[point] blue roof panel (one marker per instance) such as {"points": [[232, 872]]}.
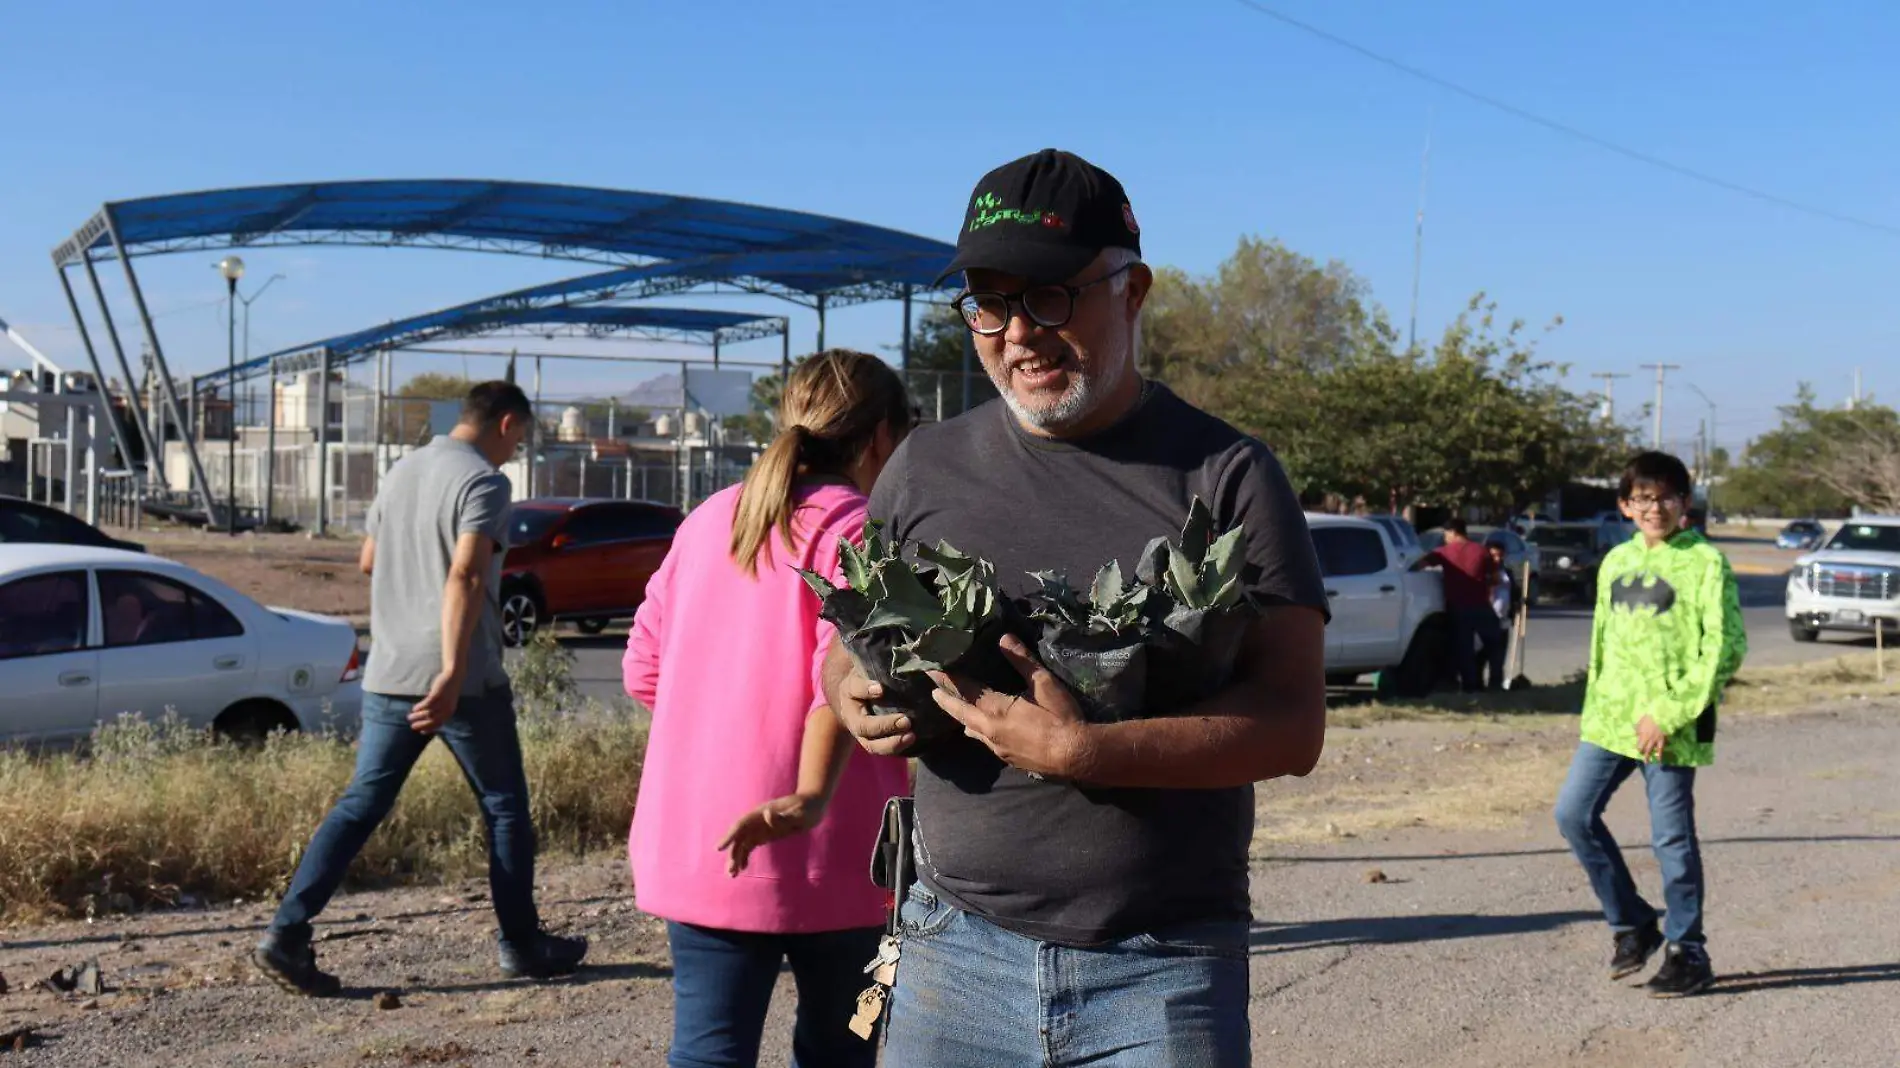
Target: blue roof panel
{"points": [[574, 222]]}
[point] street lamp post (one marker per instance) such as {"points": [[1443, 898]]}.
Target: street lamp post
{"points": [[232, 268], [270, 409]]}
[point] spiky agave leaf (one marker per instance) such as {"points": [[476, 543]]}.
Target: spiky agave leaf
{"points": [[1197, 531], [933, 650]]}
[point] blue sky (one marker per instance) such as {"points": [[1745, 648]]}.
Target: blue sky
{"points": [[1220, 121]]}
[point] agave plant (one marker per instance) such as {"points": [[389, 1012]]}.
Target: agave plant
{"points": [[1202, 572], [900, 620], [1112, 607]]}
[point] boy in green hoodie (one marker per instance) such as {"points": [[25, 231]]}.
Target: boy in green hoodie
{"points": [[1667, 637]]}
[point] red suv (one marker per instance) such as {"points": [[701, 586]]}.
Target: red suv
{"points": [[582, 560]]}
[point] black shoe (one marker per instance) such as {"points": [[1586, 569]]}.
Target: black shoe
{"points": [[1633, 950], [548, 955], [295, 969], [1685, 971]]}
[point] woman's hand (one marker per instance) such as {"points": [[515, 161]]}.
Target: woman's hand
{"points": [[778, 818]]}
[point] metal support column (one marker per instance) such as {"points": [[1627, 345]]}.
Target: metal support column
{"points": [[821, 322], [72, 457], [905, 349], [199, 481], [683, 471], [715, 348], [92, 466], [785, 355], [270, 449], [154, 469], [534, 432], [323, 444], [100, 381]]}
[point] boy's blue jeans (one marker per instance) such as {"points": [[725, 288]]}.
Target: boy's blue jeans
{"points": [[481, 735], [1595, 773], [973, 995]]}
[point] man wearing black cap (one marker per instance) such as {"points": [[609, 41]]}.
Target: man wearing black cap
{"points": [[1082, 893]]}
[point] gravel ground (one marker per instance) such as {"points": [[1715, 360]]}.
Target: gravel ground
{"points": [[1447, 941]]}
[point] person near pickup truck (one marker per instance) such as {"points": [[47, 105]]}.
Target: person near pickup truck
{"points": [[1667, 636], [1503, 605], [1470, 576]]}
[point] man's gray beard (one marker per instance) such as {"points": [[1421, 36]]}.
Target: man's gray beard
{"points": [[1084, 395]]}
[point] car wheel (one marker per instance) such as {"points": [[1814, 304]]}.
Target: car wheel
{"points": [[591, 626], [520, 616], [1341, 679], [1424, 664], [1802, 633], [247, 723]]}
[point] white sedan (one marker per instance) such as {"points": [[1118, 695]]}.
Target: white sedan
{"points": [[87, 634]]}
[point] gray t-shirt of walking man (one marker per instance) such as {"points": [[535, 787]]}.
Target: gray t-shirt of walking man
{"points": [[429, 499]]}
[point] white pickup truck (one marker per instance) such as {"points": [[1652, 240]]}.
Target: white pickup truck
{"points": [[1851, 584], [1387, 618]]}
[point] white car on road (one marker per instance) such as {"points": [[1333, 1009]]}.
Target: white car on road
{"points": [[87, 634], [1387, 617], [1850, 583]]}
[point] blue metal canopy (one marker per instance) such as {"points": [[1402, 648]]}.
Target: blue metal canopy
{"points": [[612, 226], [595, 320]]}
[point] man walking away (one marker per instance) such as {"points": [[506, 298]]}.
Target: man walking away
{"points": [[1469, 576], [437, 531]]}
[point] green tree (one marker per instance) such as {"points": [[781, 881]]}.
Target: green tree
{"points": [[1268, 312], [1819, 462], [434, 385]]}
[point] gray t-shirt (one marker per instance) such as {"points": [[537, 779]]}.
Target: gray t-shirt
{"points": [[1068, 864], [429, 499]]}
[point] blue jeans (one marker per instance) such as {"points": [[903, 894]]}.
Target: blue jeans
{"points": [[972, 995], [1595, 773], [722, 986], [482, 737]]}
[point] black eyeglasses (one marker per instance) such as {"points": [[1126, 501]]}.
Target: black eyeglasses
{"points": [[1048, 306]]}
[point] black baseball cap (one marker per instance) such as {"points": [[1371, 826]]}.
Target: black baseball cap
{"points": [[1044, 217]]}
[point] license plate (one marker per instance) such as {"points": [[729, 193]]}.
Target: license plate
{"points": [[1851, 615]]}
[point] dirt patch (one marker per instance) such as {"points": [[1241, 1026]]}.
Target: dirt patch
{"points": [[290, 570]]}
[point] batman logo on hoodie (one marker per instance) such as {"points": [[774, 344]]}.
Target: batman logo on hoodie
{"points": [[1636, 592]]}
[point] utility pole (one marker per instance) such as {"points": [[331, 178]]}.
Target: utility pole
{"points": [[1661, 370], [1418, 235], [1609, 393], [1854, 405]]}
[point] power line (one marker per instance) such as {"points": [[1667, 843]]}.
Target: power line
{"points": [[1568, 130]]}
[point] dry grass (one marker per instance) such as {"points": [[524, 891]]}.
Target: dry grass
{"points": [[155, 811]]}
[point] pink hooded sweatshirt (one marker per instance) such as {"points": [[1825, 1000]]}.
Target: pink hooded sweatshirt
{"points": [[729, 666]]}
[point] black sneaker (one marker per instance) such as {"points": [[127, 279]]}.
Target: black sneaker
{"points": [[1633, 950], [295, 969], [1685, 971], [548, 955]]}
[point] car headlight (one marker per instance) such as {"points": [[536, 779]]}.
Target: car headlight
{"points": [[1566, 562]]}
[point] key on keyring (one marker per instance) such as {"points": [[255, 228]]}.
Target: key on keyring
{"points": [[883, 968], [870, 1007]]}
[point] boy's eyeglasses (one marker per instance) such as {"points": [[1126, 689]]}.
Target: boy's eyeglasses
{"points": [[1652, 504]]}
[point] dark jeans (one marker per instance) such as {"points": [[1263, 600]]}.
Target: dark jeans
{"points": [[1595, 773], [1470, 626], [722, 986], [482, 736], [973, 995]]}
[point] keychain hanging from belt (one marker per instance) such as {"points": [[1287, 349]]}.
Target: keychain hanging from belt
{"points": [[891, 868]]}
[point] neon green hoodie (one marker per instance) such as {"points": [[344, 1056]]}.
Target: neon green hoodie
{"points": [[1668, 636]]}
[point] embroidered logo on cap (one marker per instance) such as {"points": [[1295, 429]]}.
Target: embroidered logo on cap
{"points": [[1128, 217], [988, 210]]}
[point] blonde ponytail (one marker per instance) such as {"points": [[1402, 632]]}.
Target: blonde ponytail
{"points": [[765, 504], [829, 412]]}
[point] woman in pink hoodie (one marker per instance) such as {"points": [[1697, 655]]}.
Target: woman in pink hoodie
{"points": [[757, 813]]}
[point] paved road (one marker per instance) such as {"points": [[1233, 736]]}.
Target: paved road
{"points": [[1559, 639], [1484, 949]]}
